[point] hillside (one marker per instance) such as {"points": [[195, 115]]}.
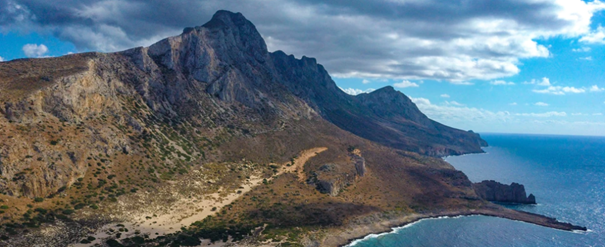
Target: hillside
{"points": [[207, 135]]}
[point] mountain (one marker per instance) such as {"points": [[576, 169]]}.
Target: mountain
{"points": [[155, 140]]}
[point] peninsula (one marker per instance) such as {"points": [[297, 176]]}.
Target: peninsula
{"points": [[209, 137]]}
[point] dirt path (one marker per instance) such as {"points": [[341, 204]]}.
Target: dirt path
{"points": [[298, 165], [189, 210]]}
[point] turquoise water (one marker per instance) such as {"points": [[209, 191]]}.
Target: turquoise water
{"points": [[566, 173]]}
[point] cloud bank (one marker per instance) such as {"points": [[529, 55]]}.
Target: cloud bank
{"points": [[405, 83], [355, 91], [456, 41]]}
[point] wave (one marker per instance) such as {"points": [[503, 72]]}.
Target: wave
{"points": [[458, 155], [397, 229]]}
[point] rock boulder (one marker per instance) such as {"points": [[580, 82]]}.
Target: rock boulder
{"points": [[493, 191]]}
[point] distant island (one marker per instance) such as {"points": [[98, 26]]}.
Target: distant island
{"points": [[209, 137]]}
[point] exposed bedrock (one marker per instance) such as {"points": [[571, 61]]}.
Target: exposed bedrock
{"points": [[493, 191]]}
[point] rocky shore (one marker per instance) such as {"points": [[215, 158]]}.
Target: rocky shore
{"points": [[374, 224]]}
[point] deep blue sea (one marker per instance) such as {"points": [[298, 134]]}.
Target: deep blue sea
{"points": [[565, 173]]}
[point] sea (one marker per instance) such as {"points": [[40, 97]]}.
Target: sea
{"points": [[565, 173]]}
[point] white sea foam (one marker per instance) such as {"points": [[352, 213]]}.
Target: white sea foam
{"points": [[582, 232], [449, 156], [397, 229]]}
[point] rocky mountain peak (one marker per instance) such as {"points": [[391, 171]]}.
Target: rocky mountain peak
{"points": [[385, 90], [386, 102], [232, 25], [227, 55], [226, 19]]}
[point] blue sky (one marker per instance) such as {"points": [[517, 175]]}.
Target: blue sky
{"points": [[570, 64], [510, 66]]}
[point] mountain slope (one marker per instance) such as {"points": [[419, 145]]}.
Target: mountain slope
{"points": [[209, 123]]}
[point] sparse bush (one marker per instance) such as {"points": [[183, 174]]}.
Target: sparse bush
{"points": [[67, 211]]}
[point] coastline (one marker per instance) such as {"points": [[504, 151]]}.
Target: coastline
{"points": [[351, 234]]}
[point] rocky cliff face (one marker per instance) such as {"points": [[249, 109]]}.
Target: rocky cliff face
{"points": [[493, 191]]}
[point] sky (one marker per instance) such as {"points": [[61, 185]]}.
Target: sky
{"points": [[507, 66]]}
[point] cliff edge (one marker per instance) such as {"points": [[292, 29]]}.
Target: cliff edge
{"points": [[493, 191]]}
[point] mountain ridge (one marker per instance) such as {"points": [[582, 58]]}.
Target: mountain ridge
{"points": [[312, 84], [148, 134]]}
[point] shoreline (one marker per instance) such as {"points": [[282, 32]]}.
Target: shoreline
{"points": [[361, 232]]}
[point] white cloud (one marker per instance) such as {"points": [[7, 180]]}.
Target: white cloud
{"points": [[541, 104], [589, 58], [558, 90], [596, 37], [355, 91], [548, 88], [1, 59], [454, 103], [501, 82], [573, 90], [365, 81], [405, 83], [545, 114], [514, 103], [34, 50], [452, 113], [581, 49], [596, 88], [597, 114], [542, 82], [445, 95], [465, 83], [474, 42], [578, 114]]}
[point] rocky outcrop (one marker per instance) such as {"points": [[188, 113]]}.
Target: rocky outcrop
{"points": [[331, 179], [358, 161], [360, 165], [493, 191]]}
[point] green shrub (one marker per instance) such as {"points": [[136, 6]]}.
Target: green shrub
{"points": [[41, 210], [68, 211], [113, 243]]}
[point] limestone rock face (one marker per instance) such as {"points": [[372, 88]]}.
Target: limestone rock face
{"points": [[493, 191]]}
